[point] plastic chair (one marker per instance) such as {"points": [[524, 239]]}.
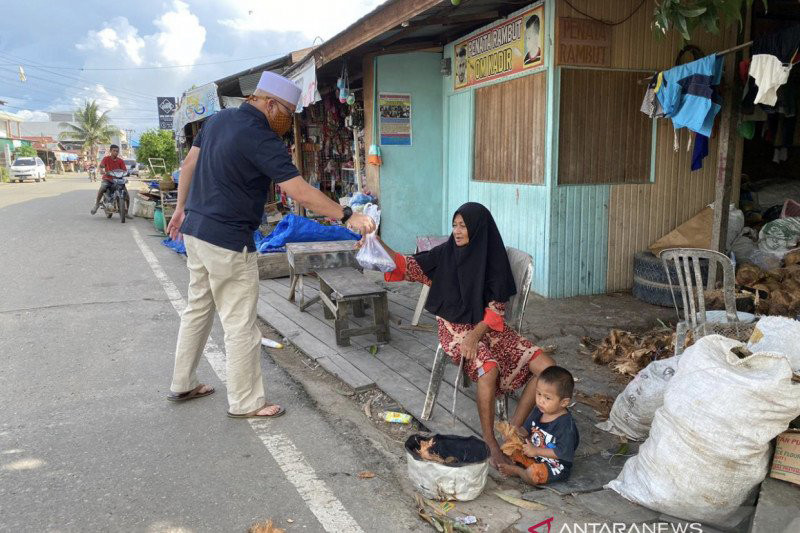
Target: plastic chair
{"points": [[522, 270], [686, 262]]}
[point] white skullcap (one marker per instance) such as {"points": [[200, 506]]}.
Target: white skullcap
{"points": [[280, 87]]}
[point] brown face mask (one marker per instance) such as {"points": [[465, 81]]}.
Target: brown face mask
{"points": [[280, 123]]}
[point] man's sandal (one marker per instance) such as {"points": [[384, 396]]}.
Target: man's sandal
{"points": [[190, 395], [254, 414]]}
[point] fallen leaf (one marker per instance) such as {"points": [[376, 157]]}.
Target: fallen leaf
{"points": [[519, 502], [265, 527], [366, 474]]}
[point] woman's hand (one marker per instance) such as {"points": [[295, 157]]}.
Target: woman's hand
{"points": [[469, 346]]}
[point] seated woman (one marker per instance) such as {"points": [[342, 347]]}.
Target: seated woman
{"points": [[471, 282]]}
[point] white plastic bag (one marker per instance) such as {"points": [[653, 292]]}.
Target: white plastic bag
{"points": [[634, 409], [373, 256], [709, 444]]}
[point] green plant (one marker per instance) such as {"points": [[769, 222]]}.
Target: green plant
{"points": [[25, 151], [685, 16], [91, 127], [4, 177], [158, 143]]}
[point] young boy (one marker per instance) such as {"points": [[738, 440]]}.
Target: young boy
{"points": [[550, 433]]}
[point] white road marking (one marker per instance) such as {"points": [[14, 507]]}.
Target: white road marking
{"points": [[330, 512]]}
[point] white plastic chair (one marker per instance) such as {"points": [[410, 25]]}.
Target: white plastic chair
{"points": [[522, 270], [686, 262]]}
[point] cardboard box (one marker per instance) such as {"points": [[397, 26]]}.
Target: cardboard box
{"points": [[786, 461]]}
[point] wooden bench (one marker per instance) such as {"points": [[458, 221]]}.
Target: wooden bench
{"points": [[306, 257], [344, 288]]}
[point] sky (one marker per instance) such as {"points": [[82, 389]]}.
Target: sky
{"points": [[59, 43]]}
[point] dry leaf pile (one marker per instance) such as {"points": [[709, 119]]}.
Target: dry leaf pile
{"points": [[781, 285], [627, 353], [428, 454]]}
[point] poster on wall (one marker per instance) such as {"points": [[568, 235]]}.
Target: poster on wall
{"points": [[394, 112], [508, 47]]}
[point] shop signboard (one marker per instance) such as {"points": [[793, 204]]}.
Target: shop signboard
{"points": [[394, 111], [166, 110], [509, 46], [197, 104], [583, 42], [306, 79]]}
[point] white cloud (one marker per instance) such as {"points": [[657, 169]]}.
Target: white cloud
{"points": [[181, 39], [117, 35], [105, 100], [312, 18], [32, 116]]}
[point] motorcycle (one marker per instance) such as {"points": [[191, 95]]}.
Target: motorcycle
{"points": [[115, 199]]}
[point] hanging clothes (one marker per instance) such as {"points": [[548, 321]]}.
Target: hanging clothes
{"points": [[782, 44], [769, 74], [688, 96], [700, 151]]}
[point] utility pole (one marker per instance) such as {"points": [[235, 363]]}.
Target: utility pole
{"points": [[129, 133]]}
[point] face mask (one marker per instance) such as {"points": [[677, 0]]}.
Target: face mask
{"points": [[280, 123]]}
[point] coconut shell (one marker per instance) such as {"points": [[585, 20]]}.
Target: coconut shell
{"points": [[748, 274], [793, 271], [792, 258]]}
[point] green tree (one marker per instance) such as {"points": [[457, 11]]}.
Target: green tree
{"points": [[158, 143], [25, 151], [90, 127], [685, 16]]}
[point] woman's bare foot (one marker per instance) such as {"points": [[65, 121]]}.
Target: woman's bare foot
{"points": [[497, 458]]}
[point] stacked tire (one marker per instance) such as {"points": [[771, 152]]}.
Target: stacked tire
{"points": [[650, 283]]}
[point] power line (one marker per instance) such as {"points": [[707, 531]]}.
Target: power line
{"points": [[83, 69]]}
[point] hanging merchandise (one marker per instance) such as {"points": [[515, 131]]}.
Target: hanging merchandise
{"points": [[374, 157]]}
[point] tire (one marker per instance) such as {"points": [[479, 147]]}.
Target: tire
{"points": [[121, 208], [37, 180], [650, 282]]}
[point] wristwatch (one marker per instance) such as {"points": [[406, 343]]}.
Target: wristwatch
{"points": [[347, 214]]}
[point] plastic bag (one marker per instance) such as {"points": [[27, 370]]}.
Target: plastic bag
{"points": [[373, 256], [298, 229], [709, 444]]}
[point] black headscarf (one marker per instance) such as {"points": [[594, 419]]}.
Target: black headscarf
{"points": [[465, 279]]}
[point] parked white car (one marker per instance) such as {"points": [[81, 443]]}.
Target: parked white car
{"points": [[132, 166], [28, 168]]}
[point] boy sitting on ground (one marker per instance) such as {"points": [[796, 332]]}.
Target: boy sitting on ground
{"points": [[550, 434]]}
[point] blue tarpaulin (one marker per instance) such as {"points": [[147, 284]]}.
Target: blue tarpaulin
{"points": [[294, 228]]}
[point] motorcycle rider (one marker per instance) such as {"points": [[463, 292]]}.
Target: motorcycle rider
{"points": [[109, 163]]}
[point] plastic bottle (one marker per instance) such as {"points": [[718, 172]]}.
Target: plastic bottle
{"points": [[394, 417]]}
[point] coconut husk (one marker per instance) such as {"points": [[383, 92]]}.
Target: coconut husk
{"points": [[627, 353], [749, 274], [792, 258], [429, 455], [793, 271], [512, 444]]}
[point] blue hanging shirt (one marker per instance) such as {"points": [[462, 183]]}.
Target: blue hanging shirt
{"points": [[687, 94], [239, 156]]}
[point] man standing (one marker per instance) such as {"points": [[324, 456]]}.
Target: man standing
{"points": [[109, 163], [222, 189]]}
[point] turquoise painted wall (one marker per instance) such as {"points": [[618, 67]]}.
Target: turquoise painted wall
{"points": [[412, 176], [565, 229]]}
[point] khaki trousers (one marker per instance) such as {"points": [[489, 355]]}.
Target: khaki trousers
{"points": [[227, 281]]}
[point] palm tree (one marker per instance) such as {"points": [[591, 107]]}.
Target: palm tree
{"points": [[91, 127]]}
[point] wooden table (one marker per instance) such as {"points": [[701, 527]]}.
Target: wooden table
{"points": [[423, 245], [306, 257], [343, 289]]}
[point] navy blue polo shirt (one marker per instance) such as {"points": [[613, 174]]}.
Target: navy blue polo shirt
{"points": [[239, 155]]}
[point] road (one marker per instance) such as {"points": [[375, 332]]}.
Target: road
{"points": [[88, 324]]}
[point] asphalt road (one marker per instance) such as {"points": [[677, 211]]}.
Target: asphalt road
{"points": [[88, 441]]}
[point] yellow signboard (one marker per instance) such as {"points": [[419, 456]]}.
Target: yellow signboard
{"points": [[510, 46]]}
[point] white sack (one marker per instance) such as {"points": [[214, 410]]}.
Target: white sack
{"points": [[635, 407], [709, 444], [777, 334], [444, 482]]}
